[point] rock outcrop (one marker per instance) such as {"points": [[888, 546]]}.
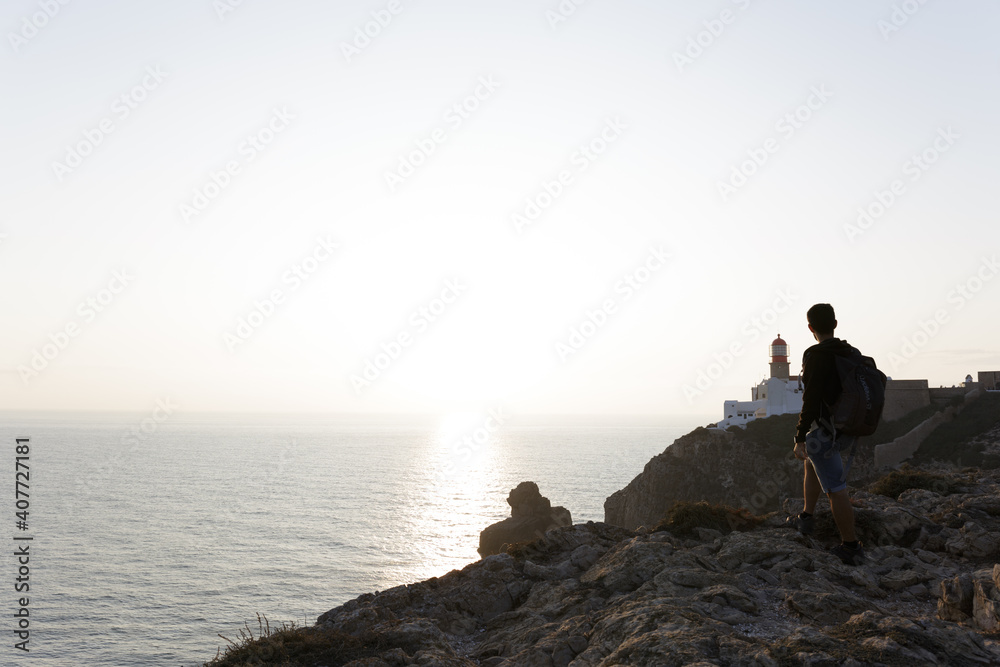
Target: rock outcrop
{"points": [[600, 595], [754, 469], [531, 516], [706, 464], [891, 454]]}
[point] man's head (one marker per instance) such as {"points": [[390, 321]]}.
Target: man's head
{"points": [[821, 319]]}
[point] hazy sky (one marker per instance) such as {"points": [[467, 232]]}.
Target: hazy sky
{"points": [[248, 205]]}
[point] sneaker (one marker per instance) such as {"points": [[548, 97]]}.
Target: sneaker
{"points": [[805, 525], [848, 555]]}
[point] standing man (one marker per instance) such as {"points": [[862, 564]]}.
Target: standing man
{"points": [[814, 437]]}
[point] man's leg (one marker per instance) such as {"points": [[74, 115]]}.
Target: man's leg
{"points": [[843, 514], [810, 489]]}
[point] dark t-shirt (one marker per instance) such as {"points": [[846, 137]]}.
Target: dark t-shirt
{"points": [[821, 383]]}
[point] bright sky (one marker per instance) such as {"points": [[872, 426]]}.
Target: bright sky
{"points": [[255, 206]]}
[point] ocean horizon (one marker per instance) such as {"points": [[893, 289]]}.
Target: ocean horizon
{"points": [[152, 537]]}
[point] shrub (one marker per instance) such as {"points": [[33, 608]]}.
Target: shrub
{"points": [[684, 517], [906, 478]]}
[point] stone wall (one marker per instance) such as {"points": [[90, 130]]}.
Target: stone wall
{"points": [[903, 397], [942, 395], [989, 380]]}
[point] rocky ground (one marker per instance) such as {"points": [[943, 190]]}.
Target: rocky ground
{"points": [[989, 441], [596, 594]]}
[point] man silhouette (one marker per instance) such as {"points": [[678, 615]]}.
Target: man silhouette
{"points": [[814, 438]]}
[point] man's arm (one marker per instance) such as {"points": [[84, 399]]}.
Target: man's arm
{"points": [[816, 369]]}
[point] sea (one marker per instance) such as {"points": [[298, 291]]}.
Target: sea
{"points": [[153, 534]]}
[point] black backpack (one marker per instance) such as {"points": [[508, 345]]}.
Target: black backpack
{"points": [[858, 409]]}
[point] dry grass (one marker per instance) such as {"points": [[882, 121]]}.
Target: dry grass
{"points": [[291, 646]]}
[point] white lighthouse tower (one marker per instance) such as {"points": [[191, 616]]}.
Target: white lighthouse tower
{"points": [[779, 394]]}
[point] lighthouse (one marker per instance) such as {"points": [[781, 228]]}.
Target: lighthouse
{"points": [[779, 359], [780, 394]]}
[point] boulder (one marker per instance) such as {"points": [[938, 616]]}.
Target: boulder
{"points": [[986, 605], [972, 597], [531, 516], [955, 597]]}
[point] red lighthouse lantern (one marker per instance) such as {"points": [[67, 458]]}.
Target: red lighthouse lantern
{"points": [[779, 358]]}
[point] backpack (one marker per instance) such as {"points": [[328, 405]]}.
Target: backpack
{"points": [[858, 409]]}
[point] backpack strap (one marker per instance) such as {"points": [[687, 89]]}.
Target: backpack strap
{"points": [[854, 445], [850, 458]]}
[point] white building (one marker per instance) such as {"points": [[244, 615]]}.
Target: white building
{"points": [[779, 394]]}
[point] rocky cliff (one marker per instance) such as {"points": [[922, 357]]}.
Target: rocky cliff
{"points": [[754, 469], [705, 464]]}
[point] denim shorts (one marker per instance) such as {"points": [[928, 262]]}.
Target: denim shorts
{"points": [[824, 454]]}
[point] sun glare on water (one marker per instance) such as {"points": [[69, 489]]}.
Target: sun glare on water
{"points": [[461, 475], [465, 452]]}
